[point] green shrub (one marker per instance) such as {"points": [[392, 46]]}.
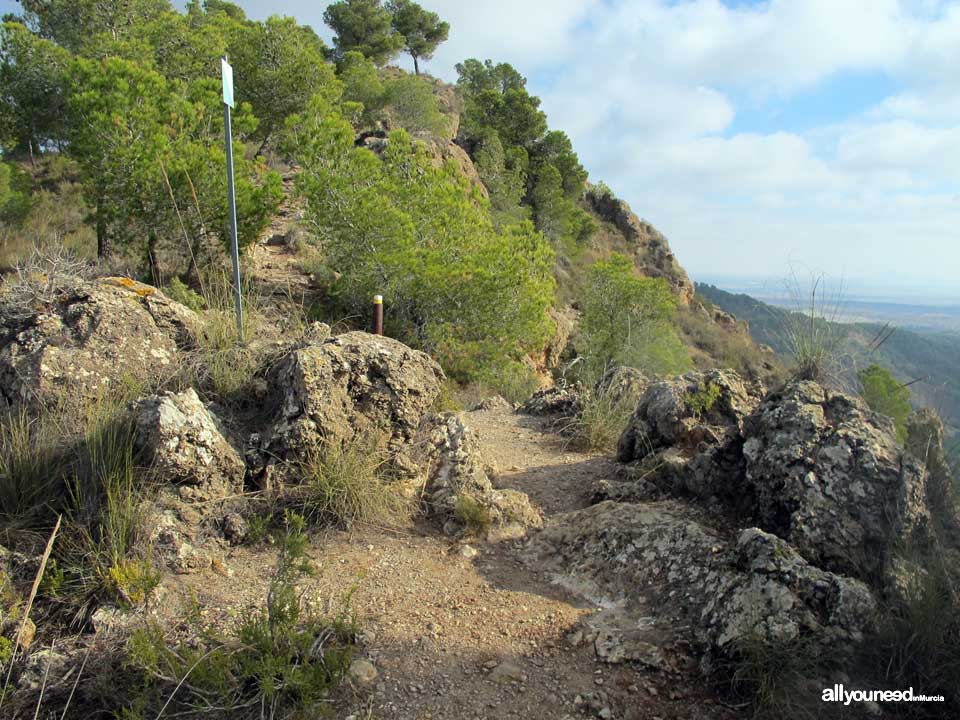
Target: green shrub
{"points": [[628, 320], [346, 483], [472, 514], [702, 400], [417, 234], [886, 395], [413, 106], [282, 657], [182, 294]]}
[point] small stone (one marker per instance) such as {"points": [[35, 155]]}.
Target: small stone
{"points": [[363, 673], [507, 672], [468, 551]]}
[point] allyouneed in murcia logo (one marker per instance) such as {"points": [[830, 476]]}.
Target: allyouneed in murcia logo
{"points": [[838, 694]]}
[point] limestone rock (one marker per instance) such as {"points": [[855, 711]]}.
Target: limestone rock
{"points": [[351, 384], [689, 429], [554, 401], [88, 336], [447, 454], [363, 672], [184, 443], [829, 477], [758, 587], [622, 384]]}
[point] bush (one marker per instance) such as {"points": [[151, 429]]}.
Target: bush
{"points": [[628, 320], [472, 514], [282, 657], [601, 420], [702, 400], [420, 236], [346, 483], [886, 395], [413, 106]]}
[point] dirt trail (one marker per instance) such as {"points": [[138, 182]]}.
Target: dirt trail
{"points": [[458, 636]]}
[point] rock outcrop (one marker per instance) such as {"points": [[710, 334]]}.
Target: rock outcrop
{"points": [[75, 343], [184, 443], [652, 253], [660, 555], [690, 430], [829, 476], [456, 483], [347, 385], [553, 402], [622, 384]]}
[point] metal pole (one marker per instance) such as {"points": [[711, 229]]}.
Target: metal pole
{"points": [[378, 314], [232, 201]]}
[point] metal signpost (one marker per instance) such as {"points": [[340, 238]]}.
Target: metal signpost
{"points": [[227, 72]]}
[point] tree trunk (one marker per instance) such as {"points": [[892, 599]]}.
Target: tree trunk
{"points": [[416, 66], [153, 260], [103, 240]]}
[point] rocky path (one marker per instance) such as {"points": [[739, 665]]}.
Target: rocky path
{"points": [[459, 631]]}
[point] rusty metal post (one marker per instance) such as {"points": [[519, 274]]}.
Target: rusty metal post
{"points": [[378, 314]]}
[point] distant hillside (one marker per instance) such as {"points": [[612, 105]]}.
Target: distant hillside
{"points": [[908, 354]]}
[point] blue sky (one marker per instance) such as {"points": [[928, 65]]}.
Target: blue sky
{"points": [[755, 135]]}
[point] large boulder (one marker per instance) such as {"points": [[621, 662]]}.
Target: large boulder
{"points": [[660, 557], [348, 385], [829, 476], [184, 443], [73, 343], [622, 384], [689, 430], [456, 481]]}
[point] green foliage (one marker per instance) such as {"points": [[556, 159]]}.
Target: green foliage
{"points": [[886, 395], [151, 159], [363, 91], [503, 176], [422, 31], [702, 400], [496, 98], [79, 24], [346, 483], [506, 132], [178, 291], [472, 514], [413, 106], [282, 67], [32, 89], [365, 26], [29, 467], [282, 656], [418, 235], [628, 320]]}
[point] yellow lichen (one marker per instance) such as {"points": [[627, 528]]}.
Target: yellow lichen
{"points": [[141, 289]]}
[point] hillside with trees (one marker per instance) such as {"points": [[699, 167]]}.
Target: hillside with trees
{"points": [[562, 481]]}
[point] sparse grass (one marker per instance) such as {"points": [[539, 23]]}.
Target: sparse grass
{"points": [[918, 644], [780, 680], [812, 333], [347, 483], [601, 421], [281, 661], [472, 514], [30, 465]]}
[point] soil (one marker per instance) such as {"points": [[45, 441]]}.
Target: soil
{"points": [[462, 629]]}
